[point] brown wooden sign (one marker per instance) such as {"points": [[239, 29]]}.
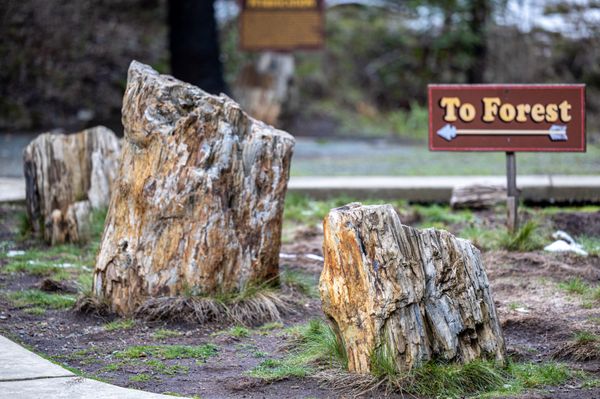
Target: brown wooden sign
{"points": [[281, 25], [507, 118]]}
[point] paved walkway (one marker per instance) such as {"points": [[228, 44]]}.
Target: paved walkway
{"points": [[413, 188], [25, 375]]}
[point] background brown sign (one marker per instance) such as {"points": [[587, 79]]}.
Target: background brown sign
{"points": [[281, 25], [507, 118]]}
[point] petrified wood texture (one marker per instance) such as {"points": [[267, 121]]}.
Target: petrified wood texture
{"points": [[477, 196], [414, 295], [61, 170], [199, 196]]}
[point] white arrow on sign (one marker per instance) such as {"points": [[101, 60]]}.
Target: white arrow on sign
{"points": [[556, 132]]}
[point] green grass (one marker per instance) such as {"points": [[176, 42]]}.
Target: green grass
{"points": [[36, 268], [275, 369], [164, 333], [315, 343], [161, 368], [315, 347], [112, 367], [586, 337], [36, 311], [237, 332], [575, 285], [305, 210], [479, 378], [440, 216], [119, 325], [302, 282], [42, 300], [536, 375], [199, 352], [141, 377], [590, 244], [590, 295], [527, 238], [273, 325], [409, 124]]}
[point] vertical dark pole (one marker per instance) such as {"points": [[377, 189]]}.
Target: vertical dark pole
{"points": [[512, 194], [194, 44]]}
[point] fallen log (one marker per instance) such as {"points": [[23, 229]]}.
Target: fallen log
{"points": [[410, 295], [198, 200], [477, 196], [61, 173]]}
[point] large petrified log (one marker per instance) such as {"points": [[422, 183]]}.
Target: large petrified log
{"points": [[198, 199], [66, 176], [410, 295]]}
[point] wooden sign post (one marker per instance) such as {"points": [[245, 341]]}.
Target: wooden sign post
{"points": [[507, 118]]}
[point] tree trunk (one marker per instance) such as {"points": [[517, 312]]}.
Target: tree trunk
{"points": [[63, 170], [479, 12], [194, 44], [411, 295], [199, 196], [263, 88], [477, 196]]}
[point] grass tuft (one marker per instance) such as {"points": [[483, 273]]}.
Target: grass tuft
{"points": [[164, 333], [118, 325], [253, 306], [574, 285], [584, 346], [525, 239], [41, 300], [302, 282], [315, 346], [200, 352], [141, 377]]}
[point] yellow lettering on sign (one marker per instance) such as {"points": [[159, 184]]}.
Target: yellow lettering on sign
{"points": [[450, 104], [490, 108], [506, 112]]}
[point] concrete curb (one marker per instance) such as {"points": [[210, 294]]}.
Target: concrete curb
{"points": [[536, 188], [25, 375], [439, 189]]}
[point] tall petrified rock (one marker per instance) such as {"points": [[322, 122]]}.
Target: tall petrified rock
{"points": [[199, 196], [66, 176], [411, 295]]}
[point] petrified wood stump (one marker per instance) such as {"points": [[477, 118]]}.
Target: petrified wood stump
{"points": [[199, 196], [413, 294], [66, 176]]}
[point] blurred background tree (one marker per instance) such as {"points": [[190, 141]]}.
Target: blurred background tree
{"points": [[194, 44], [64, 64]]}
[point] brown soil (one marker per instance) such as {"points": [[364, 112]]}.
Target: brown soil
{"points": [[538, 318], [578, 223]]}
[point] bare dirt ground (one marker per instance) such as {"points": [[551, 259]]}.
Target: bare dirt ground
{"points": [[539, 312]]}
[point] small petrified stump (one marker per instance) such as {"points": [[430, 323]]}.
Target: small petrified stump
{"points": [[411, 294], [477, 196], [199, 196], [66, 176]]}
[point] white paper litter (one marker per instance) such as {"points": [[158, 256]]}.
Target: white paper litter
{"points": [[315, 257], [12, 253], [565, 243]]}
